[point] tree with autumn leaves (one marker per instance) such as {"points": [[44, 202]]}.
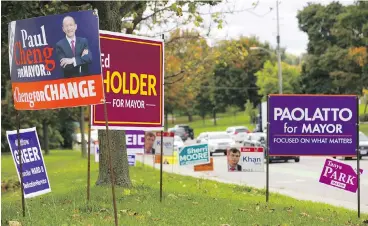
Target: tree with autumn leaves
{"points": [[337, 50], [188, 61], [203, 80]]}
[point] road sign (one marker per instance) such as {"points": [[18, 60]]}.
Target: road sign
{"points": [[194, 155]]}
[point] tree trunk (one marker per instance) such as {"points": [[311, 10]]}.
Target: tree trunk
{"points": [[366, 104], [190, 117], [172, 117], [119, 159], [214, 117], [45, 137], [166, 120], [82, 130], [110, 20], [203, 119]]}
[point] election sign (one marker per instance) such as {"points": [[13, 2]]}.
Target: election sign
{"points": [[134, 141], [35, 179], [133, 79], [96, 147], [247, 159], [204, 167], [131, 159], [194, 155], [168, 143], [339, 175], [55, 61], [312, 125]]}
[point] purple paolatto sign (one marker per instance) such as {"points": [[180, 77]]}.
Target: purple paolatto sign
{"points": [[135, 141], [340, 175], [315, 125]]}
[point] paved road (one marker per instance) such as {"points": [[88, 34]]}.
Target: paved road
{"points": [[299, 180]]}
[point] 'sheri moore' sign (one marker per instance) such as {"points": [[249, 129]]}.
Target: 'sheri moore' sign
{"points": [[194, 155]]}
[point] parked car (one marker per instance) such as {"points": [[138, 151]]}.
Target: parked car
{"points": [[178, 143], [237, 133], [363, 146], [180, 132], [188, 130], [218, 142], [260, 140], [77, 137]]}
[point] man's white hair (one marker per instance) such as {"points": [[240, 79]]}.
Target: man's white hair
{"points": [[67, 18]]}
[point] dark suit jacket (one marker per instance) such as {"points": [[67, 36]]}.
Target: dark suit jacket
{"points": [[153, 151], [64, 50], [238, 167]]}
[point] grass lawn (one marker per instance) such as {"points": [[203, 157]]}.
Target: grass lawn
{"points": [[186, 200], [361, 109], [223, 121], [226, 119], [364, 128]]}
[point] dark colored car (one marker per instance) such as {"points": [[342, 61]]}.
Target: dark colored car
{"points": [[179, 131], [363, 146], [187, 129]]}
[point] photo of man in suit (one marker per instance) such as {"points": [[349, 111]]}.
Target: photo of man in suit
{"points": [[233, 160], [72, 52], [149, 139]]}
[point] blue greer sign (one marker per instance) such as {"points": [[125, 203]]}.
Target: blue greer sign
{"points": [[35, 179]]}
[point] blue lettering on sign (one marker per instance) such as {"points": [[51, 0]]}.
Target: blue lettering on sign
{"points": [[251, 159], [131, 160], [167, 144]]}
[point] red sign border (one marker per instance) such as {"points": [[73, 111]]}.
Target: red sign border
{"points": [[251, 149]]}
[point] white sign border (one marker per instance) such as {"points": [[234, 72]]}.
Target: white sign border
{"points": [[32, 129]]}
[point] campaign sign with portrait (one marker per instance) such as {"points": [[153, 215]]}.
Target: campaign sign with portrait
{"points": [[168, 143], [245, 159], [55, 61], [132, 69], [35, 178]]}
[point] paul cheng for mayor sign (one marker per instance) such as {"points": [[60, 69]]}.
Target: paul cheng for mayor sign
{"points": [[324, 125]]}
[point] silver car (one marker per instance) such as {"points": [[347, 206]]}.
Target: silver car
{"points": [[237, 133], [218, 142], [363, 144]]}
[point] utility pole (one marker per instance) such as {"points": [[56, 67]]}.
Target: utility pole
{"points": [[278, 48]]}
